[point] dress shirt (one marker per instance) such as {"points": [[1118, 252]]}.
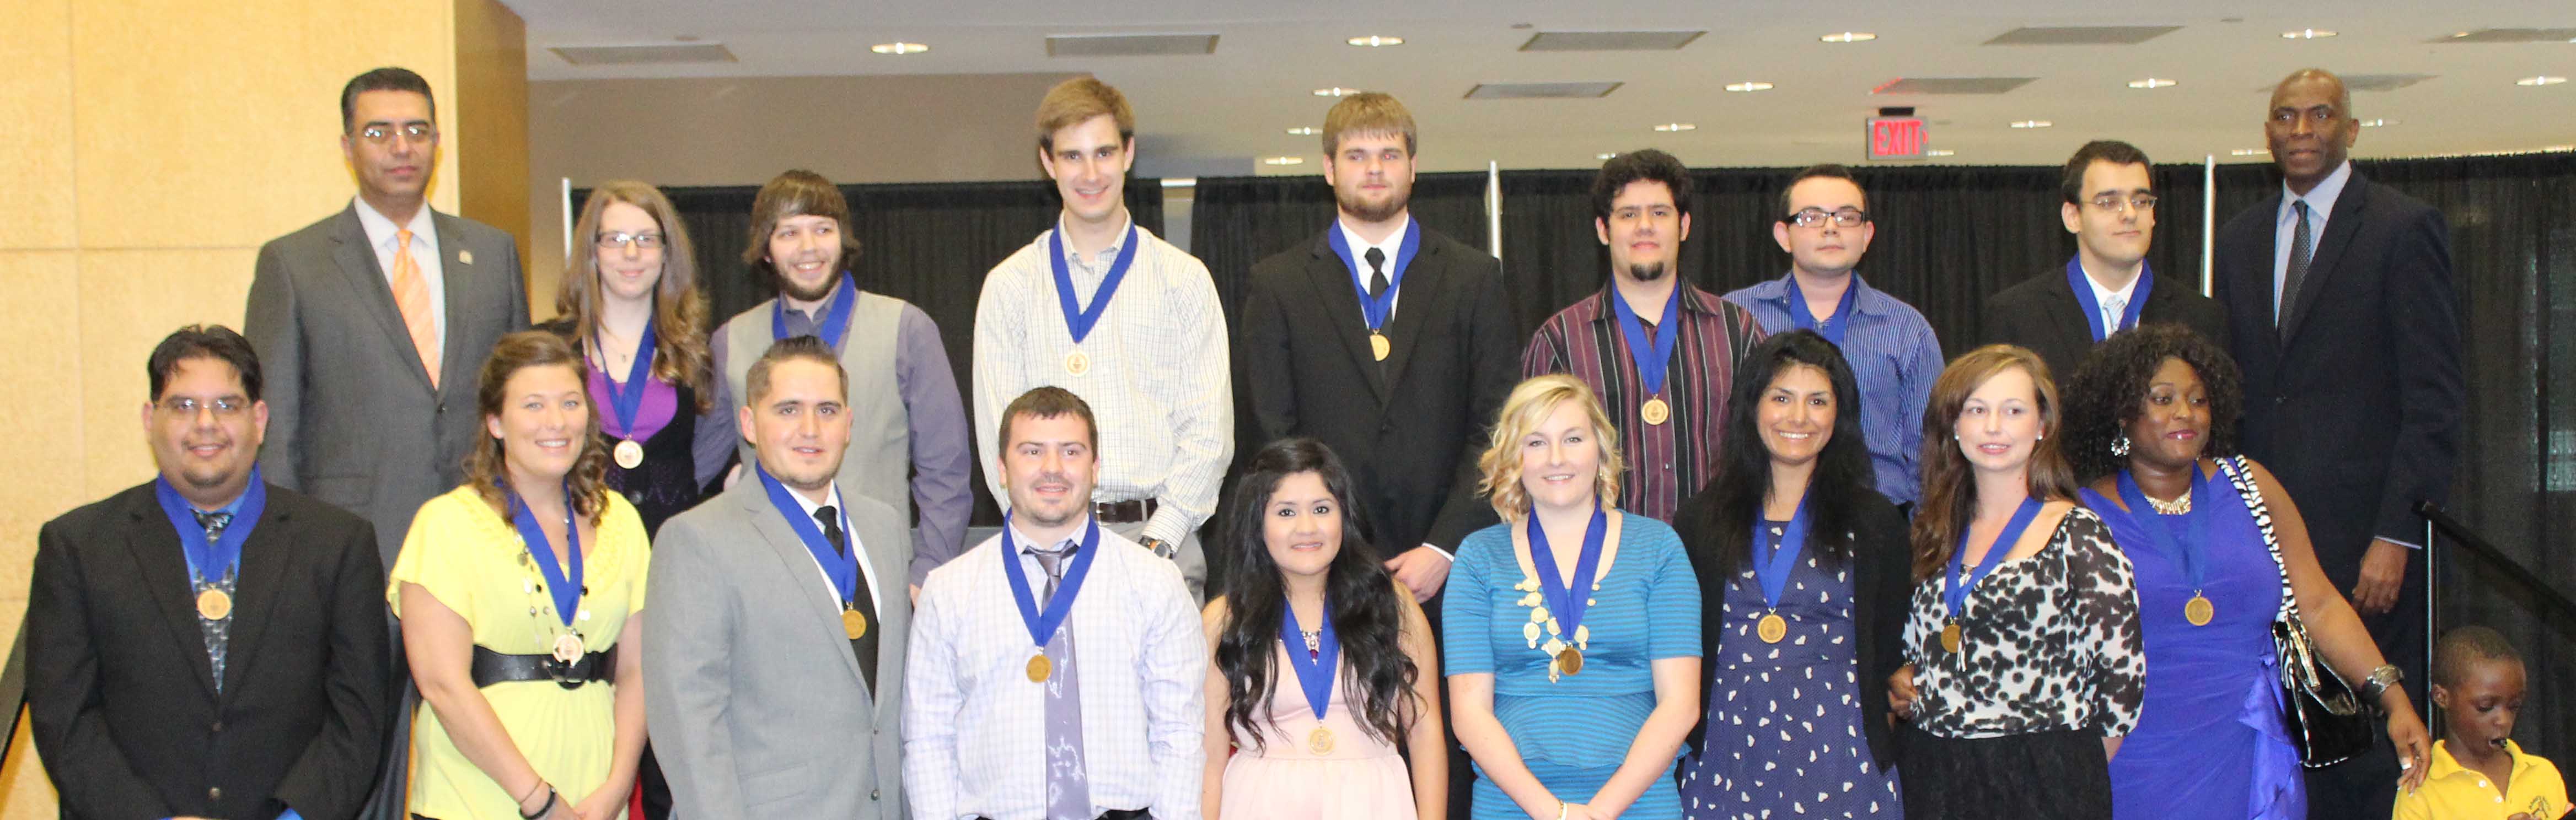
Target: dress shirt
{"points": [[1894, 358], [384, 236], [867, 566], [972, 743], [1359, 259], [1666, 462], [1160, 383], [2102, 296], [2285, 224]]}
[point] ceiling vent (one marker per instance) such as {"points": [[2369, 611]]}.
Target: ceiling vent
{"points": [[1130, 45], [2511, 35], [1540, 91], [2378, 82], [2081, 35], [1610, 40], [645, 54], [1952, 85]]}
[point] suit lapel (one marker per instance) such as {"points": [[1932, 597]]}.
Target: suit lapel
{"points": [[1406, 327], [357, 260], [2341, 227], [165, 573], [456, 276], [1335, 292], [2067, 315], [790, 550], [2251, 278], [264, 559]]}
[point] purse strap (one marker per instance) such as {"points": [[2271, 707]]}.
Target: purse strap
{"points": [[2240, 473]]}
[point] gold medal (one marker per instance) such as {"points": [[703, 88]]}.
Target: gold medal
{"points": [[214, 605], [854, 623], [1950, 638], [1077, 363], [1570, 660], [1320, 741], [1655, 411], [1040, 667], [2199, 610], [1379, 346], [1772, 628], [568, 648], [629, 454]]}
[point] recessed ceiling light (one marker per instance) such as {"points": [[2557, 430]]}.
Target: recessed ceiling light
{"points": [[1606, 155], [2560, 148], [2151, 82], [1676, 126], [1938, 152], [1283, 161], [2032, 124], [2377, 123], [1849, 37], [2248, 152], [898, 48], [2541, 80], [2305, 34], [1305, 131], [1336, 91], [1374, 41], [1752, 86]]}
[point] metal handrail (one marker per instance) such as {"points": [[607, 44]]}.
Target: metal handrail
{"points": [[2460, 534]]}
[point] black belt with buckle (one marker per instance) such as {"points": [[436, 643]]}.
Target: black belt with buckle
{"points": [[1123, 512], [493, 667]]}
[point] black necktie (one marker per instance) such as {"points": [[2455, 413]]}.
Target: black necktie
{"points": [[860, 599], [2299, 258], [1377, 272]]}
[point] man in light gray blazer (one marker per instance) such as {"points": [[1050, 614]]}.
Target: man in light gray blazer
{"points": [[774, 639], [373, 324]]}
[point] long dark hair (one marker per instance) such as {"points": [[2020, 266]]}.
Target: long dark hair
{"points": [[1367, 617], [1743, 481]]}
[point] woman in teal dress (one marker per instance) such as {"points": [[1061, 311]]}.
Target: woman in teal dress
{"points": [[1571, 630]]}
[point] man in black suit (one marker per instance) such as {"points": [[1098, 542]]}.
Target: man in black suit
{"points": [[207, 644], [1387, 341], [2107, 287], [2339, 300]]}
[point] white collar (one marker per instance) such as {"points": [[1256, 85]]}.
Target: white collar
{"points": [[381, 229], [2321, 199], [1360, 247]]}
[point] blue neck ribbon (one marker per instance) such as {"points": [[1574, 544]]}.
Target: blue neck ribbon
{"points": [[1774, 573], [563, 582], [1567, 600], [835, 323], [1954, 595], [2083, 288], [1374, 309], [1079, 319], [1650, 366], [624, 400], [1042, 624], [1314, 675], [212, 561], [842, 567]]}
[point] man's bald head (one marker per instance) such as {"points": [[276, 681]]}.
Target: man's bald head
{"points": [[2310, 127]]}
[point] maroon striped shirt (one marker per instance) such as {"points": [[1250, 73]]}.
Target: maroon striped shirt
{"points": [[1666, 462]]}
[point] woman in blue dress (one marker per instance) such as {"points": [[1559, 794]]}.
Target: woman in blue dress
{"points": [[2220, 552], [1571, 630], [1811, 565]]}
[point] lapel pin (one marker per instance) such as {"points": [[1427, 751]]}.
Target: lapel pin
{"points": [[465, 257]]}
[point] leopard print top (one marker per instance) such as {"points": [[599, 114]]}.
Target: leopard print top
{"points": [[2049, 642]]}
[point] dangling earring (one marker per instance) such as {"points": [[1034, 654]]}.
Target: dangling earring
{"points": [[2120, 446]]}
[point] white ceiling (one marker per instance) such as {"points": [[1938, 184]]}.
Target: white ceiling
{"points": [[1229, 108]]}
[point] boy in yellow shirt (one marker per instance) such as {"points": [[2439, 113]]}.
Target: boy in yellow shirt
{"points": [[2478, 773]]}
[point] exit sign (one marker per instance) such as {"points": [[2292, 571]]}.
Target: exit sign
{"points": [[1895, 138]]}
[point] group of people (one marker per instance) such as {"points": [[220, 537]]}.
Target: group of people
{"points": [[1675, 555]]}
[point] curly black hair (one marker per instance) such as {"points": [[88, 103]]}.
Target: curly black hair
{"points": [[2103, 396]]}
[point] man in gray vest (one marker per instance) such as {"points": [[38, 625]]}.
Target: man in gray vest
{"points": [[800, 234]]}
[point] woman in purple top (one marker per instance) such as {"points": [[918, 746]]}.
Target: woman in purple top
{"points": [[630, 300], [2220, 552]]}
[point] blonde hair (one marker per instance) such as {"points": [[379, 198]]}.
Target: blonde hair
{"points": [[1079, 99], [679, 310], [1949, 481], [1368, 112], [1529, 405]]}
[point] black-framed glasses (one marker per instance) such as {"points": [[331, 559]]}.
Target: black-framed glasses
{"points": [[416, 132], [1815, 217], [188, 406], [2142, 203], [613, 240]]}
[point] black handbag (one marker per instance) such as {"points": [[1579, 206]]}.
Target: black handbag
{"points": [[2326, 718]]}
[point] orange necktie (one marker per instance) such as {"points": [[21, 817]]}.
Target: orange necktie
{"points": [[411, 296]]}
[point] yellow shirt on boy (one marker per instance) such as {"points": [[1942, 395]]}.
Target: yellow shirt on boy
{"points": [[2451, 792]]}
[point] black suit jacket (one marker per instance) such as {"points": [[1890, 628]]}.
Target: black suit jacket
{"points": [[1882, 567], [1409, 431], [2042, 313], [2359, 413], [121, 693]]}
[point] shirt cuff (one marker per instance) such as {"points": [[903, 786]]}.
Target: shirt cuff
{"points": [[1443, 552], [2407, 544]]}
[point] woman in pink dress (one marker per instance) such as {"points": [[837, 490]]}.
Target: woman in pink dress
{"points": [[1320, 663]]}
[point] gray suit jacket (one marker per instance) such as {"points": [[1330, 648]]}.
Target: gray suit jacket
{"points": [[755, 700], [353, 421]]}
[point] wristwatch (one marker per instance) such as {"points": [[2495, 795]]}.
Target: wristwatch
{"points": [[2378, 681], [1161, 548]]}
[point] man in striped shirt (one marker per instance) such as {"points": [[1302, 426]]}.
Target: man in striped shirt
{"points": [[1661, 354], [1825, 227]]}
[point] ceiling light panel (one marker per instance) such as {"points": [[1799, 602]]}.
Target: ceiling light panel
{"points": [[1541, 91], [2081, 35], [1610, 40], [1952, 85], [1129, 45], [2512, 35], [644, 54]]}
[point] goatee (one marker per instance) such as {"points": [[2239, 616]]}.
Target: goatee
{"points": [[1647, 272], [787, 287], [1366, 212]]}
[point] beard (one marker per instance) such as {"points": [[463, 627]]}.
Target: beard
{"points": [[787, 287], [1646, 272], [1366, 212]]}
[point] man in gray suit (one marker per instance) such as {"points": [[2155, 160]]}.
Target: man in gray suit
{"points": [[774, 642], [373, 324]]}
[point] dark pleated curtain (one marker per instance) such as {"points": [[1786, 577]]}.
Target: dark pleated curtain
{"points": [[929, 244]]}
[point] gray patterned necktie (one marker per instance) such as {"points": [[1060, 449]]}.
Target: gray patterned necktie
{"points": [[2299, 258], [217, 633], [1068, 786]]}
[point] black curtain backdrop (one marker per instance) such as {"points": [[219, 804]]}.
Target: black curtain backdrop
{"points": [[929, 244]]}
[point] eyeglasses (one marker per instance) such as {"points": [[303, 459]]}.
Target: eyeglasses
{"points": [[618, 239], [1815, 217], [2112, 202], [416, 132], [187, 406]]}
